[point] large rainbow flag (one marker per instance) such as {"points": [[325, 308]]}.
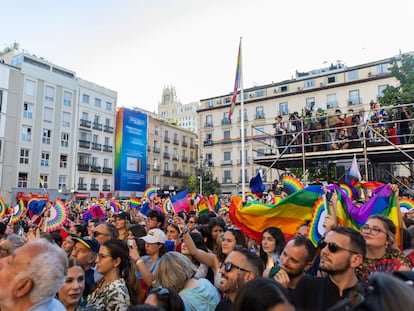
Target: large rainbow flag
{"points": [[287, 215]]}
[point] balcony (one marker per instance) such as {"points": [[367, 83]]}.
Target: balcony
{"points": [[156, 168], [226, 162], [210, 124], [208, 142], [108, 129], [97, 126], [166, 139], [83, 167], [94, 187], [107, 148], [106, 170], [95, 169], [175, 141], [166, 155], [84, 144], [156, 150], [82, 187], [225, 121], [227, 180], [85, 123], [175, 157], [184, 158], [96, 146], [184, 143], [166, 173], [192, 145], [259, 116], [192, 160], [176, 174], [244, 119], [106, 188]]}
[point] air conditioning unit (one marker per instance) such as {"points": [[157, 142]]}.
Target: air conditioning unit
{"points": [[275, 91]]}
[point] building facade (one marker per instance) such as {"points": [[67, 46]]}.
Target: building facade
{"points": [[328, 89], [55, 144]]}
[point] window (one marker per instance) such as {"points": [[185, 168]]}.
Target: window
{"points": [[227, 155], [49, 93], [258, 130], [43, 181], [95, 138], [209, 121], [382, 68], [156, 130], [97, 103], [226, 134], [310, 103], [166, 166], [44, 161], [46, 136], [66, 119], [260, 93], [283, 109], [62, 182], [30, 88], [227, 176], [26, 133], [64, 139], [155, 180], [260, 152], [381, 89], [244, 115], [353, 75], [67, 98], [27, 110], [331, 101], [210, 103], [106, 163], [331, 79], [108, 106], [106, 141], [22, 181], [24, 156], [85, 99], [47, 114], [107, 122], [259, 112], [354, 98], [85, 116], [310, 83], [63, 161]]}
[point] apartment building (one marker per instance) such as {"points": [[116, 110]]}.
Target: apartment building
{"points": [[55, 144], [335, 87]]}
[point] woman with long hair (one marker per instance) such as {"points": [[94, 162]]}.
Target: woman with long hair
{"points": [[165, 298], [119, 287], [122, 223], [382, 254], [271, 246]]}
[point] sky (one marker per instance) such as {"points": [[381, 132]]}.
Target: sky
{"points": [[138, 47]]}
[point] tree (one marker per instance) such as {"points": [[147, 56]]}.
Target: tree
{"points": [[402, 68], [210, 184]]}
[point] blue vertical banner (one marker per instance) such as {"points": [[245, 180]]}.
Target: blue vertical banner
{"points": [[130, 150]]}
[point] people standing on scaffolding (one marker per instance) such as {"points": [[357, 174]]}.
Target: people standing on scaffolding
{"points": [[403, 117], [296, 127], [335, 122], [281, 129], [379, 120], [342, 140]]}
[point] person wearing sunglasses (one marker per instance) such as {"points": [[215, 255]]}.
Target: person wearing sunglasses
{"points": [[165, 298], [239, 267], [341, 252], [382, 254], [104, 231]]}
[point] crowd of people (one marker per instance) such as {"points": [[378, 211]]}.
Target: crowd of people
{"points": [[186, 261], [344, 130]]}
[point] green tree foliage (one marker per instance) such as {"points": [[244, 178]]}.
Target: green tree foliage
{"points": [[402, 69], [210, 184]]}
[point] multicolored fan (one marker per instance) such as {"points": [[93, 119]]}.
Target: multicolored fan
{"points": [[58, 216], [17, 211], [150, 193], [291, 184], [406, 205]]}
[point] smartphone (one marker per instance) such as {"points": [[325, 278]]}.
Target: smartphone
{"points": [[130, 243]]}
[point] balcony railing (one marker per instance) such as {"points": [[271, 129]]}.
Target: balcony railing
{"points": [[106, 188], [167, 155], [84, 144], [95, 169], [156, 168], [94, 187], [209, 125], [107, 148], [208, 142], [184, 143], [192, 145], [176, 174], [167, 173], [175, 157], [226, 162], [175, 141], [227, 180], [192, 160], [157, 150], [82, 187], [166, 140], [184, 159], [244, 119], [83, 167], [97, 126], [108, 129], [106, 170], [258, 116], [96, 146], [85, 123], [225, 121]]}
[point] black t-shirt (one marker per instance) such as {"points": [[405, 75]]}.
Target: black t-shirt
{"points": [[317, 293], [224, 305]]}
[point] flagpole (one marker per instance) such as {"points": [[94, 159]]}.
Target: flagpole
{"points": [[243, 175]]}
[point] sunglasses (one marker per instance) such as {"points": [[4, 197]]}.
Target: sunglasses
{"points": [[160, 290], [96, 234], [229, 265], [333, 248]]}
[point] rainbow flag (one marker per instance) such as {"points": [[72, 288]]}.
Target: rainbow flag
{"points": [[291, 184], [203, 206], [214, 202], [180, 201], [135, 203], [2, 207], [287, 215], [236, 83], [115, 206]]}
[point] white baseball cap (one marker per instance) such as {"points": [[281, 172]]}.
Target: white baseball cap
{"points": [[155, 236]]}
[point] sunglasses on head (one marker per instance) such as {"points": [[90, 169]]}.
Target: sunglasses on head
{"points": [[333, 247], [160, 290], [229, 265]]}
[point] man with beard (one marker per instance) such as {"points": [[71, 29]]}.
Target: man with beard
{"points": [[342, 250], [239, 267], [296, 258]]}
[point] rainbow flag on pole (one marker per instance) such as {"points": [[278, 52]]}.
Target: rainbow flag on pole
{"points": [[236, 82]]}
